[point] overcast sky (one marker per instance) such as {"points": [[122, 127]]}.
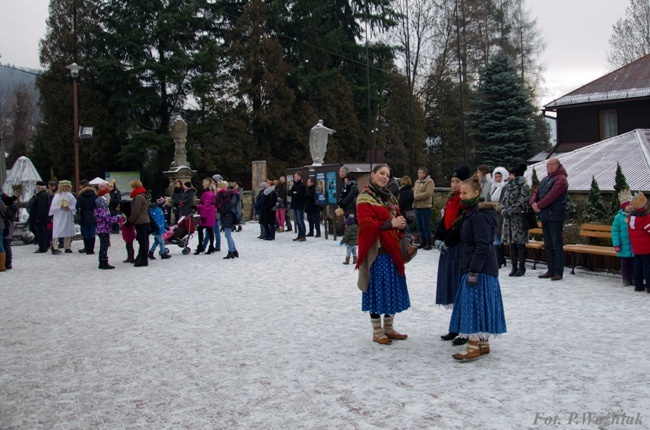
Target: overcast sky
{"points": [[576, 33]]}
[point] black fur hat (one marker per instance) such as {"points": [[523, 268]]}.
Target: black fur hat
{"points": [[461, 172], [519, 170]]}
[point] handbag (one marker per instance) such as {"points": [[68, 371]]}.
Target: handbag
{"points": [[409, 246], [530, 218], [410, 216]]}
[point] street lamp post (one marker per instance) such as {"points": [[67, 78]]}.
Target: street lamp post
{"points": [[74, 72]]}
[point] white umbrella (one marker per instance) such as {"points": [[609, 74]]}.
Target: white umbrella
{"points": [[98, 181]]}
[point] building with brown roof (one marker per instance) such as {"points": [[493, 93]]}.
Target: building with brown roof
{"points": [[613, 104]]}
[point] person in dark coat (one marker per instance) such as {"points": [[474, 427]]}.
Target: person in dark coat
{"points": [[405, 200], [40, 216], [514, 205], [297, 193], [267, 215], [85, 207], [349, 193], [226, 201], [478, 308], [187, 200], [550, 205], [10, 211], [447, 241], [312, 209], [115, 199], [258, 209], [177, 192]]}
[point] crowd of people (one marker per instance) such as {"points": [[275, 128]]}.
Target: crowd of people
{"points": [[482, 214], [101, 210]]}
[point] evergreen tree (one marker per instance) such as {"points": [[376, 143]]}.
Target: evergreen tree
{"points": [[534, 181], [503, 114], [594, 210], [620, 185]]}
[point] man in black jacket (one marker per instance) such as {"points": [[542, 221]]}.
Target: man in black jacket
{"points": [[297, 193], [348, 196], [39, 216]]}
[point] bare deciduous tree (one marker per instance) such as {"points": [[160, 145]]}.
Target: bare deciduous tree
{"points": [[630, 38]]}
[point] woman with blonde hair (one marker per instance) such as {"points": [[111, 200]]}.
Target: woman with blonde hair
{"points": [[62, 210], [207, 213]]}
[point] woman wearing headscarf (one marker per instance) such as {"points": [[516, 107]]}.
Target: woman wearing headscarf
{"points": [[447, 241], [381, 265]]}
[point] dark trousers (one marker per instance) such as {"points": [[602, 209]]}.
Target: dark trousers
{"points": [[42, 236], [8, 253], [299, 221], [142, 236], [104, 243], [313, 219], [627, 268], [422, 220], [641, 270], [553, 245]]}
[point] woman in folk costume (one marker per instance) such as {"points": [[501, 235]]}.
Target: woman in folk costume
{"points": [[62, 210], [447, 241], [380, 263], [478, 308]]}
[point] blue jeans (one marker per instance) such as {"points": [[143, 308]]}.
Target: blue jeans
{"points": [[158, 241], [350, 250], [88, 231], [553, 245], [422, 219], [231, 243], [2, 236], [299, 221], [497, 239]]}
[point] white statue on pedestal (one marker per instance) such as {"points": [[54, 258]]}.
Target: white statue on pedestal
{"points": [[318, 142]]}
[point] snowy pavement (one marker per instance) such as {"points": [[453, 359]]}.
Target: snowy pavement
{"points": [[276, 340]]}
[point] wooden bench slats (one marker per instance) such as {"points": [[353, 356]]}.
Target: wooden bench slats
{"points": [[592, 231], [597, 227]]}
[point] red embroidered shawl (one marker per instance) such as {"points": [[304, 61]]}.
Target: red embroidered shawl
{"points": [[372, 213]]}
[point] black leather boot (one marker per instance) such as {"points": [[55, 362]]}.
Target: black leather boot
{"points": [[513, 260], [199, 249], [521, 249], [229, 256]]}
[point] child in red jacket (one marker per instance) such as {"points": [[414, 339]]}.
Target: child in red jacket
{"points": [[639, 229]]}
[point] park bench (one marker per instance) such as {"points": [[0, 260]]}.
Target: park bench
{"points": [[535, 245], [591, 231]]}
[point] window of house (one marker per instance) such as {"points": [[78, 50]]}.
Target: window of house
{"points": [[608, 124]]}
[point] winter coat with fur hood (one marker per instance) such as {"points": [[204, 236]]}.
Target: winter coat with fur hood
{"points": [[478, 225], [514, 204]]}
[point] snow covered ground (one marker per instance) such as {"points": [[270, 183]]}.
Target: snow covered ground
{"points": [[276, 340]]}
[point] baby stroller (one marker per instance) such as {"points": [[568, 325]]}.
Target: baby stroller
{"points": [[180, 234]]}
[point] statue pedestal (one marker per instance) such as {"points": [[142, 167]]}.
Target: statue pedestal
{"points": [[180, 168]]}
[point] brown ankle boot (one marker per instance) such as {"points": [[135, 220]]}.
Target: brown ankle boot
{"points": [[355, 259], [347, 260], [377, 332], [484, 346], [390, 332], [471, 352]]}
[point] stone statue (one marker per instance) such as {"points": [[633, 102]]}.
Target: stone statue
{"points": [[318, 142], [179, 133]]}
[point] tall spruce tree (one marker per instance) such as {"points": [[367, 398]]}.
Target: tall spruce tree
{"points": [[502, 115], [594, 210]]}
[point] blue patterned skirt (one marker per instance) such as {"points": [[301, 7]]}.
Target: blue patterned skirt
{"points": [[387, 292], [449, 273], [479, 309]]}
